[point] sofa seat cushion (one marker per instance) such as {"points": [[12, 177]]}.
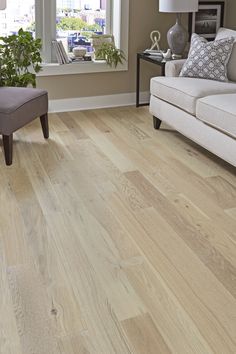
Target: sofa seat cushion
{"points": [[219, 112], [184, 92]]}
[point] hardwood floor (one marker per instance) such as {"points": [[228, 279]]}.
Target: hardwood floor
{"points": [[116, 238]]}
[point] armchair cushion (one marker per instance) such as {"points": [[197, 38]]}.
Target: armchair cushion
{"points": [[19, 106], [184, 92]]}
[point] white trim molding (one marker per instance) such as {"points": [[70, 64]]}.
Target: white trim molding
{"points": [[96, 102], [79, 68]]}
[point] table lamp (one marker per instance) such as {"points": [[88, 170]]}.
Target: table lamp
{"points": [[177, 36], [3, 4]]}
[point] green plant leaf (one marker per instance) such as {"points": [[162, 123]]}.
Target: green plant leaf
{"points": [[111, 54], [19, 55]]}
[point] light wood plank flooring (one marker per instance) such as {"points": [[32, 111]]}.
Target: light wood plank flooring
{"points": [[116, 238]]}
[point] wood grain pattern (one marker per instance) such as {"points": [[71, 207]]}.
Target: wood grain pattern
{"points": [[31, 311], [116, 238], [192, 236], [180, 288], [144, 335]]}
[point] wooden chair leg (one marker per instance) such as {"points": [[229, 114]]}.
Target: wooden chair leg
{"points": [[8, 148], [44, 124], [156, 122]]}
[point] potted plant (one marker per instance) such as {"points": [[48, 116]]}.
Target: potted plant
{"points": [[20, 59], [99, 39], [105, 49], [109, 52]]}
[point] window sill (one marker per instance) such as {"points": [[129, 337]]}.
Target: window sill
{"points": [[79, 68]]}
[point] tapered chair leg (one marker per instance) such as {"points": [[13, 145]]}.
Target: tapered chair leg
{"points": [[8, 148], [44, 124], [156, 122]]}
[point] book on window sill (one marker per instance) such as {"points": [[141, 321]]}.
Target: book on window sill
{"points": [[65, 56], [61, 55], [56, 49]]}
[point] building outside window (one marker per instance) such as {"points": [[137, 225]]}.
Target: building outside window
{"points": [[18, 14], [78, 20]]}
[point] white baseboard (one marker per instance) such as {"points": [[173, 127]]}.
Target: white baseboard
{"points": [[96, 102]]}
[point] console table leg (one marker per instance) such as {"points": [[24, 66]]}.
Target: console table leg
{"points": [[138, 81]]}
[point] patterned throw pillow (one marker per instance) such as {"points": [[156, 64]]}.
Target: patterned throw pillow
{"points": [[208, 60]]}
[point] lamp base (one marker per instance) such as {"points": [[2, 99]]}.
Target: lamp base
{"points": [[177, 37]]}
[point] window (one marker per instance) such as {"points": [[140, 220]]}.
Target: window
{"points": [[18, 14], [71, 21], [78, 20]]}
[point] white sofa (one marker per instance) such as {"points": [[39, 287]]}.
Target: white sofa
{"points": [[202, 110]]}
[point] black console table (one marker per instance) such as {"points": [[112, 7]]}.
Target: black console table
{"points": [[152, 59]]}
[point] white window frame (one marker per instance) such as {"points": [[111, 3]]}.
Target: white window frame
{"points": [[45, 20], [117, 20]]}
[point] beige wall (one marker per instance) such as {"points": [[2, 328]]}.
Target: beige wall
{"points": [[231, 14], [144, 18]]}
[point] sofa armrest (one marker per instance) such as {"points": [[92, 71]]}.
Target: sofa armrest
{"points": [[174, 67]]}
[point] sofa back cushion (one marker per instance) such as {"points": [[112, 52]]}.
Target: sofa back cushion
{"points": [[223, 33]]}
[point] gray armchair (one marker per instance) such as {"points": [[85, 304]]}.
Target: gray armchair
{"points": [[19, 106]]}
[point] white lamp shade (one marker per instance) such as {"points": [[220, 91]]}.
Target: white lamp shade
{"points": [[178, 6], [3, 4]]}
